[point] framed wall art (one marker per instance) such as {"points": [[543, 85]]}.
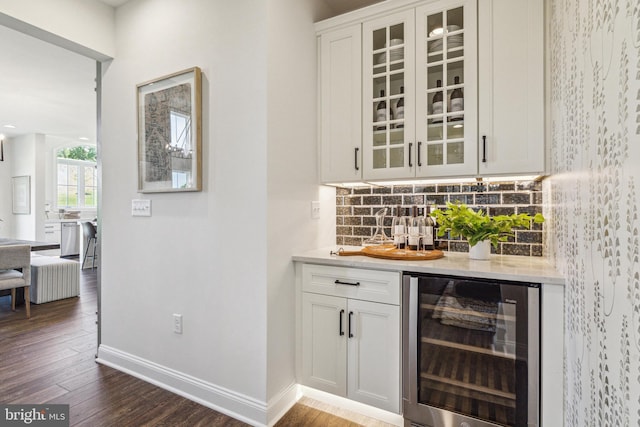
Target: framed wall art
{"points": [[21, 194], [170, 133]]}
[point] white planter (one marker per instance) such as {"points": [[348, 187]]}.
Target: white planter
{"points": [[480, 250]]}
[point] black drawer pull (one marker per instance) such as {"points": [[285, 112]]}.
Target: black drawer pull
{"points": [[340, 319], [350, 334], [356, 158], [338, 282]]}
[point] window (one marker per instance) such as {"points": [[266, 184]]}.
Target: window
{"points": [[76, 177]]}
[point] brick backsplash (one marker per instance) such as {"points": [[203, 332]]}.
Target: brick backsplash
{"points": [[356, 207]]}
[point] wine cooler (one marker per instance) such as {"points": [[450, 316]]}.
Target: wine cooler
{"points": [[470, 352]]}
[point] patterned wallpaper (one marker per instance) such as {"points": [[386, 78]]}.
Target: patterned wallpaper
{"points": [[592, 201]]}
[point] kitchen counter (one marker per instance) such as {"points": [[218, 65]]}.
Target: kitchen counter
{"points": [[502, 267]]}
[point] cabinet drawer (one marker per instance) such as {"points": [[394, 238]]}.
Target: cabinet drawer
{"points": [[368, 285]]}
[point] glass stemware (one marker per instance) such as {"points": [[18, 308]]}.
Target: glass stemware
{"points": [[379, 236]]}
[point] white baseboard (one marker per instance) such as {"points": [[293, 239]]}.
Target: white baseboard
{"points": [[280, 404], [228, 402]]}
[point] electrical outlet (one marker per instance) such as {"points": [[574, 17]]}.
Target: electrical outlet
{"points": [[177, 323], [315, 210]]}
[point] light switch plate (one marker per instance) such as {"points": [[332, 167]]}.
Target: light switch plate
{"points": [[140, 207]]}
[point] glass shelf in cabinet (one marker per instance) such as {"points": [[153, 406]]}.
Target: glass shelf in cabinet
{"points": [[435, 120], [397, 125]]}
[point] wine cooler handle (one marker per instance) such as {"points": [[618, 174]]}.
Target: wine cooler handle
{"points": [[410, 370], [484, 148], [410, 148], [355, 158], [419, 150], [350, 334], [340, 321], [340, 282]]}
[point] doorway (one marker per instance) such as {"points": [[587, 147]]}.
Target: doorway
{"points": [[49, 98]]}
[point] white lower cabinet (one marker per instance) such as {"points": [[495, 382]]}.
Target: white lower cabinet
{"points": [[351, 347], [52, 232]]}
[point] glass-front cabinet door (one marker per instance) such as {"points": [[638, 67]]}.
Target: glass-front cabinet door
{"points": [[389, 97], [446, 89]]}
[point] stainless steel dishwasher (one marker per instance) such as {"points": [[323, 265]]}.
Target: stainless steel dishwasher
{"points": [[69, 243]]}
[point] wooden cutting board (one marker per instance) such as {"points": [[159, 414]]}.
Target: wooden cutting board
{"points": [[391, 252]]}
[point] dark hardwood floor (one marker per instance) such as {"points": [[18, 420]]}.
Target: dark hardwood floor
{"points": [[50, 358]]}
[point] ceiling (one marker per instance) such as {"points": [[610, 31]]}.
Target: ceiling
{"points": [[50, 90], [338, 7], [45, 89]]}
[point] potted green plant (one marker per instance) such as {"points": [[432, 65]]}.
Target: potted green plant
{"points": [[480, 229]]}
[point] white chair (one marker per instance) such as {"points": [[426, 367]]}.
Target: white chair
{"points": [[15, 272]]}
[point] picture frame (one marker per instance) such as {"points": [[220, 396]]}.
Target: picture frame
{"points": [[170, 133], [21, 186]]}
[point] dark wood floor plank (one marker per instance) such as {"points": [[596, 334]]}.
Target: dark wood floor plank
{"points": [[50, 358]]}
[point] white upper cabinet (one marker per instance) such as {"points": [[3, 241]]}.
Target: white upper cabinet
{"points": [[445, 88], [340, 105], [511, 86], [388, 96]]}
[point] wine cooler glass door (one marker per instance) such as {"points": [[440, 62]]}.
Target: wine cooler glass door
{"points": [[476, 350]]}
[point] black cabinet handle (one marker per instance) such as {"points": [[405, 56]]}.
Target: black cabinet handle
{"points": [[350, 334], [340, 319], [339, 282], [355, 158], [419, 149], [484, 148], [410, 149]]}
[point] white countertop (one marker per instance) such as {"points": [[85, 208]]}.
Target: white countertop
{"points": [[57, 221], [503, 267]]}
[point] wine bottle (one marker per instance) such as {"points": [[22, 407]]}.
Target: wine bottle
{"points": [[436, 104], [399, 228], [414, 229], [381, 111], [399, 114], [457, 98], [428, 241]]}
